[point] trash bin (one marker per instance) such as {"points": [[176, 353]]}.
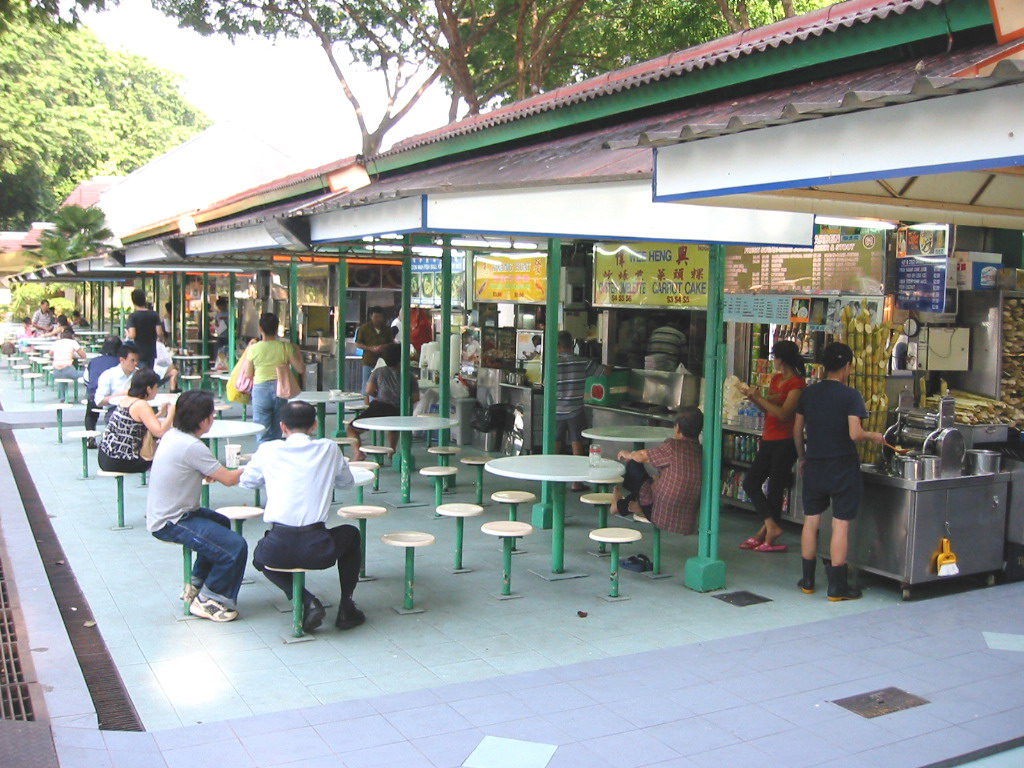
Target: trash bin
{"points": [[488, 424]]}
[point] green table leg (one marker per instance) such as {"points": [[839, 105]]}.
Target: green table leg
{"points": [[60, 426], [438, 490], [513, 516], [120, 506], [613, 573], [298, 587], [256, 498], [508, 542], [479, 485], [359, 494], [204, 496], [186, 562], [32, 385], [410, 558], [558, 527], [460, 529], [75, 385], [237, 526], [376, 475], [406, 450], [142, 480], [245, 412], [321, 420], [362, 548], [85, 458]]}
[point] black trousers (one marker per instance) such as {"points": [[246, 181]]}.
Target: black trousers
{"points": [[636, 475], [90, 417], [315, 547], [774, 463], [132, 466]]}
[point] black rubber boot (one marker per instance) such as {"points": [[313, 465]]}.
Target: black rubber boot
{"points": [[806, 584], [838, 589]]}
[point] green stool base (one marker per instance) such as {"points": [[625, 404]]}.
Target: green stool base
{"points": [[120, 527], [405, 611], [499, 596], [549, 576], [610, 599]]}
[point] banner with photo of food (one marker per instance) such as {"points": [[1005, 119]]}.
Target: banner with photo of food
{"points": [[425, 285], [510, 278]]}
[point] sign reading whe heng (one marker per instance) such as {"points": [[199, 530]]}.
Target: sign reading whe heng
{"points": [[651, 275]]}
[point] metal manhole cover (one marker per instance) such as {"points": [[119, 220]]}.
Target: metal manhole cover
{"points": [[881, 702], [742, 599]]}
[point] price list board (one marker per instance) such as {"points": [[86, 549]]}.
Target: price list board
{"points": [[757, 308], [922, 265], [842, 260]]}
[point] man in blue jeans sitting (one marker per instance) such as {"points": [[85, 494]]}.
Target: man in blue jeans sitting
{"points": [[173, 513]]}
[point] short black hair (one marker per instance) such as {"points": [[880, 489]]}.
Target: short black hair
{"points": [[269, 323], [836, 356], [75, 313], [44, 301], [142, 380], [25, 320], [68, 333], [690, 422], [192, 409], [126, 349], [298, 415], [376, 311], [167, 306], [139, 297], [111, 345], [392, 354], [565, 340], [222, 302]]}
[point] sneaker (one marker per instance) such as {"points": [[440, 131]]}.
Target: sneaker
{"points": [[188, 594], [91, 444], [349, 616], [212, 610], [313, 615]]}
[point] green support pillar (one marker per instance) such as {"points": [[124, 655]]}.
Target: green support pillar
{"points": [[204, 319], [705, 571], [232, 321], [340, 311], [542, 511], [293, 290], [113, 317], [183, 314], [120, 309], [444, 386], [405, 438], [156, 295]]}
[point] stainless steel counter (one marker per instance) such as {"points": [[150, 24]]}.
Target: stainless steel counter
{"points": [[901, 523]]}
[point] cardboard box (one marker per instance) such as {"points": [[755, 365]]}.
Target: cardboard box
{"points": [[976, 270], [1010, 279]]}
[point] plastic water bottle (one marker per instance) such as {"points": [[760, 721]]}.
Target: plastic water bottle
{"points": [[595, 455]]}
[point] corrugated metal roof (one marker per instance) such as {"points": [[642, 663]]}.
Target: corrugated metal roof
{"points": [[622, 151], [734, 46]]}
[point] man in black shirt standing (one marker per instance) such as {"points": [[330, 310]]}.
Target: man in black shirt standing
{"points": [[144, 328], [832, 413]]}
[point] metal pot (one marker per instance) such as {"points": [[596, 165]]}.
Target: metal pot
{"points": [[929, 467], [980, 462], [910, 468]]}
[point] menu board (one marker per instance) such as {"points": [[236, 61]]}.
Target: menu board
{"points": [[510, 278], [426, 281], [842, 260], [922, 267], [817, 313], [756, 308], [651, 274]]}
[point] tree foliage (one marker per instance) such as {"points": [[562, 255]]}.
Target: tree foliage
{"points": [[70, 109], [77, 232]]}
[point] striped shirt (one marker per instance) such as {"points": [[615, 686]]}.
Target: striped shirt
{"points": [[572, 375]]}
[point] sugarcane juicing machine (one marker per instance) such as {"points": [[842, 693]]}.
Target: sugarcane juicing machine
{"points": [[927, 433]]}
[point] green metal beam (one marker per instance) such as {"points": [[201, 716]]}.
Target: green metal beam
{"points": [[823, 54], [204, 318], [444, 385], [232, 321], [293, 300], [341, 270], [542, 511]]}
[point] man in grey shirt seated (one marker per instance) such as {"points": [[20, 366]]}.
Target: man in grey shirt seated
{"points": [[173, 513]]}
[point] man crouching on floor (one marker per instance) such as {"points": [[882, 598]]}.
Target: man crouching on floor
{"points": [[299, 474]]}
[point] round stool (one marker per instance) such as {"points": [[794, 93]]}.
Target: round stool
{"points": [[409, 540], [443, 453], [460, 512], [59, 408], [31, 377], [342, 442], [19, 370], [508, 531], [513, 499], [603, 502], [119, 476], [189, 380], [369, 466], [189, 590], [84, 434], [378, 452], [238, 515], [615, 537], [298, 609], [361, 513], [220, 408], [478, 462], [439, 474], [62, 388]]}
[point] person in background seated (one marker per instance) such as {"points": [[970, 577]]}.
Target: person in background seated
{"points": [[299, 474], [65, 351], [77, 321], [165, 368], [383, 396], [671, 500], [43, 320], [27, 331], [121, 444], [107, 359], [173, 513], [116, 380]]}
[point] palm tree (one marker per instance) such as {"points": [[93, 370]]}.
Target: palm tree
{"points": [[77, 232]]}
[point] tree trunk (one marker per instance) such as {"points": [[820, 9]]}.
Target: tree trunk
{"points": [[730, 18], [787, 8]]}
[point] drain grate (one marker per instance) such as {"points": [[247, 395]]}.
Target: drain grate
{"points": [[742, 598], [884, 701], [15, 703]]}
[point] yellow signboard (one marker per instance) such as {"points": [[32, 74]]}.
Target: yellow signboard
{"points": [[651, 274], [500, 277]]}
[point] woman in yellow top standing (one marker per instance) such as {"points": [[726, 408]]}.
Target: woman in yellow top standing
{"points": [[266, 355]]}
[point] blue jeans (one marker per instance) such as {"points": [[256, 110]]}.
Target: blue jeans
{"points": [[220, 553], [367, 370], [266, 409]]}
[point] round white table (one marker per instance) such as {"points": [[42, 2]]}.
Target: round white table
{"points": [[94, 334], [405, 425], [637, 435], [320, 399], [557, 470], [226, 428], [156, 402], [189, 361]]}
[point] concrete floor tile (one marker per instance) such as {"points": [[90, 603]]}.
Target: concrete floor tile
{"points": [[692, 735], [591, 722], [402, 754], [631, 750], [278, 746], [450, 749], [426, 721], [491, 708], [217, 754], [358, 733], [274, 722], [529, 729], [785, 749], [80, 757], [748, 722]]}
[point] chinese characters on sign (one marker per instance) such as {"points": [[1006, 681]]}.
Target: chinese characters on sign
{"points": [[426, 281], [651, 274], [521, 279], [921, 267]]}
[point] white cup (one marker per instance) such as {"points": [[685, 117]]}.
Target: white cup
{"points": [[231, 452], [335, 394]]}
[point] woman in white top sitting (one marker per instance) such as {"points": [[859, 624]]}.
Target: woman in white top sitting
{"points": [[65, 350]]}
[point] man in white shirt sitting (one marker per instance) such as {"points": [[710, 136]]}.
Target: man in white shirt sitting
{"points": [[115, 381], [299, 474]]}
